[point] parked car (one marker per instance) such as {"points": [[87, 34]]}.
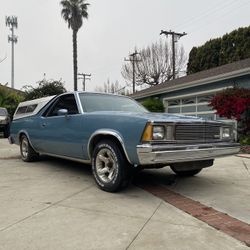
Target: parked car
{"points": [[118, 136], [4, 122]]}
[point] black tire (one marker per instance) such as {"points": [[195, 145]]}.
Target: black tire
{"points": [[6, 131], [186, 172], [28, 154], [111, 170]]}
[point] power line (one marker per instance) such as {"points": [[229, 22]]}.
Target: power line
{"points": [[1, 60], [175, 37], [84, 78], [11, 21], [186, 23], [226, 13], [133, 59]]}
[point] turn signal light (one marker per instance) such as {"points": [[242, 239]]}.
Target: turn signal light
{"points": [[147, 134]]}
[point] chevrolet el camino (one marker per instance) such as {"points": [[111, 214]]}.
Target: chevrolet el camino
{"points": [[117, 136]]}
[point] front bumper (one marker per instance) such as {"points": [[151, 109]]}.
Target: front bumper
{"points": [[166, 154]]}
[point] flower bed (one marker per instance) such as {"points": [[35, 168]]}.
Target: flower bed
{"points": [[245, 149]]}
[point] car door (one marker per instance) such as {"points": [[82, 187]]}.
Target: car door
{"points": [[61, 134]]}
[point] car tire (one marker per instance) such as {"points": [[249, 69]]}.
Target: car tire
{"points": [[6, 131], [186, 172], [110, 168], [28, 154]]}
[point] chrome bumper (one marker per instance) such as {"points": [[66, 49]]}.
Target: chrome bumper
{"points": [[162, 154]]}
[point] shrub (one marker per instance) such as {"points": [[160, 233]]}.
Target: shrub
{"points": [[234, 103], [153, 105], [9, 100], [45, 88]]}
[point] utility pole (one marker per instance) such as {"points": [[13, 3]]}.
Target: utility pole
{"points": [[133, 59], [11, 21], [175, 37], [84, 77]]}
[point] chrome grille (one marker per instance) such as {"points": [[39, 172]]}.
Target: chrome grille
{"points": [[197, 132]]}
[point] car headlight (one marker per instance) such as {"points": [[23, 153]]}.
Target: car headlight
{"points": [[158, 133], [226, 133]]}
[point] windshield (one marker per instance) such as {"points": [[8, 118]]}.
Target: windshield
{"points": [[3, 112], [99, 102]]}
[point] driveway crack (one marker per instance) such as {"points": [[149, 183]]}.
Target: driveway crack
{"points": [[144, 225], [245, 165]]}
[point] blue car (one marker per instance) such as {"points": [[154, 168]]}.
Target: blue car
{"points": [[117, 136]]}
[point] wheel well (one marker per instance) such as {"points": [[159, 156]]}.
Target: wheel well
{"points": [[20, 135], [101, 137]]}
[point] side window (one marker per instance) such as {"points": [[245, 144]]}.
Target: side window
{"points": [[64, 102], [21, 110], [31, 108]]}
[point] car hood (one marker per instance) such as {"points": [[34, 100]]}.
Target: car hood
{"points": [[157, 117]]}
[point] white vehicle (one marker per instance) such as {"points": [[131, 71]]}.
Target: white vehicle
{"points": [[32, 107]]}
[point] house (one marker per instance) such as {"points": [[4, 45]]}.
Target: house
{"points": [[190, 95]]}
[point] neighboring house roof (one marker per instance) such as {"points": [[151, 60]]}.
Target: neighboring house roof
{"points": [[223, 72], [11, 89]]}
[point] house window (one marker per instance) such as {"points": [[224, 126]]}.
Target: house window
{"points": [[174, 102], [205, 98], [174, 110], [189, 101], [193, 106]]}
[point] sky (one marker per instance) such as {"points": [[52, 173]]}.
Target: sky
{"points": [[110, 34]]}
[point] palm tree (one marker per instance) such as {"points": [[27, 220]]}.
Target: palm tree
{"points": [[73, 12]]}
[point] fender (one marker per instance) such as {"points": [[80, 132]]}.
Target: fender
{"points": [[108, 132], [27, 135]]}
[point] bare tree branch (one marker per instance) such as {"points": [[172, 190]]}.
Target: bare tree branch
{"points": [[154, 64], [111, 87]]}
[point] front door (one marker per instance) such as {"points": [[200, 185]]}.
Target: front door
{"points": [[61, 134]]}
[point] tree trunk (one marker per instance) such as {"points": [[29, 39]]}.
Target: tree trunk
{"points": [[75, 58]]}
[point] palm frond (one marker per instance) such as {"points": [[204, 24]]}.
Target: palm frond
{"points": [[73, 12]]}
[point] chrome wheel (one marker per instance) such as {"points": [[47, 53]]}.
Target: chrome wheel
{"points": [[110, 167], [25, 147], [106, 165], [27, 152]]}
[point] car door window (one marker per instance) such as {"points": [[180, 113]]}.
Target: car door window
{"points": [[64, 102]]}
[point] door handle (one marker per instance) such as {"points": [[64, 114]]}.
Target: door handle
{"points": [[43, 125]]}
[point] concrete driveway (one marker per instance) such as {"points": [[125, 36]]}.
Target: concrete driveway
{"points": [[55, 204]]}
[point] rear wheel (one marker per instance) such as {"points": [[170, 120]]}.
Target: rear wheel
{"points": [[6, 131], [186, 172], [110, 167], [27, 152], [191, 168]]}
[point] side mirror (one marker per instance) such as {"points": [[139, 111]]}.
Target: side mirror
{"points": [[62, 112]]}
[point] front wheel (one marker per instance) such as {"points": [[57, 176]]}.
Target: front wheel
{"points": [[110, 167], [28, 154]]}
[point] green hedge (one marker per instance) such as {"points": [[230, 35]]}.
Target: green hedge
{"points": [[153, 105]]}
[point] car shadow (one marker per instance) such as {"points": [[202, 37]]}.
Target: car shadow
{"points": [[67, 165], [153, 176], [164, 177]]}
